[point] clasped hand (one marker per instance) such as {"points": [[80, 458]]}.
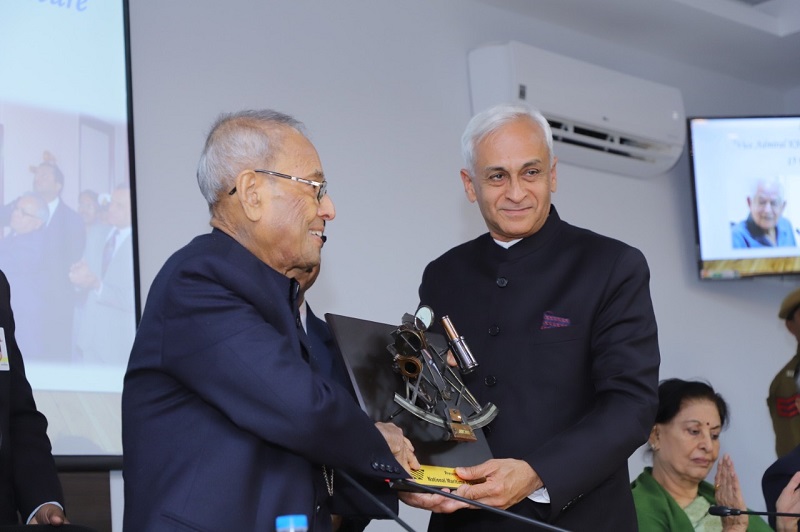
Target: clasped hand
{"points": [[728, 492]]}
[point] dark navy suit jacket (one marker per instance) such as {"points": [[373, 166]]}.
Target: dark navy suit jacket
{"points": [[325, 352], [225, 424], [28, 475], [62, 243], [65, 239], [347, 500], [564, 331], [777, 476]]}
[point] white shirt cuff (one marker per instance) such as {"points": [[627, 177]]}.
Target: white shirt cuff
{"points": [[37, 509], [540, 495]]}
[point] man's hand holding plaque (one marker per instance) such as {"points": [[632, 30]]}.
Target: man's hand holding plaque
{"points": [[401, 447]]}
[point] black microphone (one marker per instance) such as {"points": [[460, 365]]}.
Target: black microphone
{"points": [[415, 486], [725, 511], [324, 238]]}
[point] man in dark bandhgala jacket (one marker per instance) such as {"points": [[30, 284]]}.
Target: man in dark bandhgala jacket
{"points": [[561, 321]]}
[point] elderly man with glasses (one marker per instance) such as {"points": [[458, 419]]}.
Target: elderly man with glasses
{"points": [[226, 420], [24, 260]]}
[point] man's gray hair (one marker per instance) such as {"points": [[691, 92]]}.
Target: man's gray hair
{"points": [[489, 120], [247, 139], [767, 183]]}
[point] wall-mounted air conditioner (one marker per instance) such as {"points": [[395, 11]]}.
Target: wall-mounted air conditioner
{"points": [[601, 118]]}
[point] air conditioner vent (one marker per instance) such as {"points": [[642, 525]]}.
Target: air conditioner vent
{"points": [[612, 143], [601, 119]]}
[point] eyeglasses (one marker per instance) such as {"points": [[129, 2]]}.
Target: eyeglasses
{"points": [[26, 213], [321, 186]]}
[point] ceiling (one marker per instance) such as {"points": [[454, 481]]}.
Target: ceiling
{"points": [[754, 40]]}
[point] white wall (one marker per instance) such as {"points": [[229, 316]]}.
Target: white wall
{"points": [[382, 87]]}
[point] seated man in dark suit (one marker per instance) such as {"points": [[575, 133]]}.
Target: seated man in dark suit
{"points": [[29, 484], [778, 475], [354, 513], [323, 346]]}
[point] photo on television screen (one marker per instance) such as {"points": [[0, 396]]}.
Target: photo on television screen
{"points": [[746, 177]]}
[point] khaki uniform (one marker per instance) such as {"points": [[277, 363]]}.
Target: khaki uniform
{"points": [[782, 409]]}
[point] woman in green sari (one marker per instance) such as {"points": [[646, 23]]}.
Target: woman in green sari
{"points": [[673, 495]]}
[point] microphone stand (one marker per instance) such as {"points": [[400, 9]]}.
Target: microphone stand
{"points": [[504, 513], [724, 511], [361, 489]]}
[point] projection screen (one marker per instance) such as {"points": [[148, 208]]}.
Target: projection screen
{"points": [[68, 240]]}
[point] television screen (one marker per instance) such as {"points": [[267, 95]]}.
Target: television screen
{"points": [[746, 177]]}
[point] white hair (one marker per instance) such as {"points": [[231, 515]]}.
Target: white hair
{"points": [[767, 182], [238, 141], [492, 119]]}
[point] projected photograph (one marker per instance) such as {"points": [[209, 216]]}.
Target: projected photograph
{"points": [[67, 241], [746, 173]]}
